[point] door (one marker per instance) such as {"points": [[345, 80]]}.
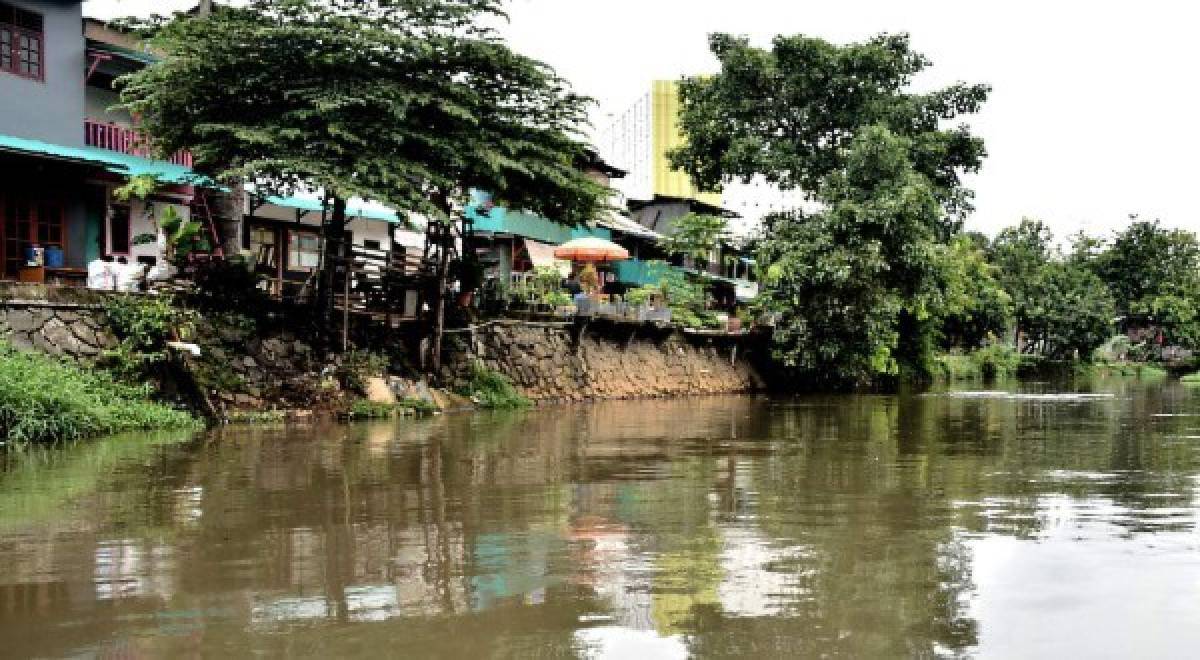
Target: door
{"points": [[26, 221]]}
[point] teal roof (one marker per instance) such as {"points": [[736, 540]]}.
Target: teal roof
{"points": [[352, 210], [638, 272], [113, 161], [500, 220]]}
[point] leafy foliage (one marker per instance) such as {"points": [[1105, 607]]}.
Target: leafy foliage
{"points": [[696, 235], [143, 325], [686, 297], [43, 399], [1155, 272], [791, 114], [852, 287], [974, 307], [491, 389], [404, 102], [184, 237]]}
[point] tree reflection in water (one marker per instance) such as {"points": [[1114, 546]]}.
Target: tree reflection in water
{"points": [[848, 525]]}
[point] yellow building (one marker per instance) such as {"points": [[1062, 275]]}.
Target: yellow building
{"points": [[638, 140], [668, 182]]}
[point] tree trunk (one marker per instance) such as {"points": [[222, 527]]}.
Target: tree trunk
{"points": [[333, 233], [439, 310]]}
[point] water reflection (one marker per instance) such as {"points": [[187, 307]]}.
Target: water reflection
{"points": [[868, 526]]}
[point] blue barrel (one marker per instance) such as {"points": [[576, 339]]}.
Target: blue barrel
{"points": [[54, 257]]}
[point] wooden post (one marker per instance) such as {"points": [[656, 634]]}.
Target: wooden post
{"points": [[346, 304], [439, 312]]}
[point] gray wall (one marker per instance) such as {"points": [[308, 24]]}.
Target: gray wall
{"points": [[50, 110]]}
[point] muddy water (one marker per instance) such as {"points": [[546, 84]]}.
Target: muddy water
{"points": [[1040, 523]]}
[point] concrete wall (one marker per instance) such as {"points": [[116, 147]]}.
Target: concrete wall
{"points": [[63, 322], [549, 365], [50, 110]]}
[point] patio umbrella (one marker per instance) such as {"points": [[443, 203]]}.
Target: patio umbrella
{"points": [[591, 249]]}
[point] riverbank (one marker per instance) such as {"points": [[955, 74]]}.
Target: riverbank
{"points": [[260, 361], [45, 399]]}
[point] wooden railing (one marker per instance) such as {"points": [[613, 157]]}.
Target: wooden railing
{"points": [[114, 137]]}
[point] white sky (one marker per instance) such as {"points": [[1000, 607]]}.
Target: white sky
{"points": [[1093, 113]]}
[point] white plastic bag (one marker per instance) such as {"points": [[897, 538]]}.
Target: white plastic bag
{"points": [[100, 275]]}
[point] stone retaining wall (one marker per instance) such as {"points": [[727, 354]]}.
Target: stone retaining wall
{"points": [[68, 323], [555, 363]]}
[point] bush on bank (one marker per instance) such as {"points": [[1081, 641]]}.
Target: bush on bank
{"points": [[43, 399], [990, 362]]}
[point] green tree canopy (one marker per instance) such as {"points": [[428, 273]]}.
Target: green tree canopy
{"points": [[854, 286], [974, 306], [410, 102], [791, 112], [846, 283], [1155, 272]]}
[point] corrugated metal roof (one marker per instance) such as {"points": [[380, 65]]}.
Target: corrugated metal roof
{"points": [[115, 162], [355, 208]]}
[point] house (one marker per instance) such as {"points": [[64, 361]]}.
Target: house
{"points": [[64, 152], [639, 139], [65, 148], [509, 241]]}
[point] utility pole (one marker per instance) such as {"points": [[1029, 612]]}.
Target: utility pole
{"points": [[204, 9]]}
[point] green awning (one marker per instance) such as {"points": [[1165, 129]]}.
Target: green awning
{"points": [[499, 220], [115, 162], [354, 209]]}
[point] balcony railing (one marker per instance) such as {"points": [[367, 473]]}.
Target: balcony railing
{"points": [[121, 139]]}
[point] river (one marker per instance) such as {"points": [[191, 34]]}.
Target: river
{"points": [[1037, 521]]}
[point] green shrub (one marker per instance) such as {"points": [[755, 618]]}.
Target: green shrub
{"points": [[364, 409], [990, 362], [143, 325], [490, 389], [358, 366], [43, 399]]}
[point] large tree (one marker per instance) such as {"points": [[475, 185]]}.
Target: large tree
{"points": [[853, 286], [1062, 309], [1155, 272], [409, 102]]}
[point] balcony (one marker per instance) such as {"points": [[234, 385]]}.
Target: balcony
{"points": [[121, 139]]}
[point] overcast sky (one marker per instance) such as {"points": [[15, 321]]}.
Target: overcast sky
{"points": [[1093, 113]]}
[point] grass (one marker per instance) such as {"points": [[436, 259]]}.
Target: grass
{"points": [[1191, 379], [43, 399], [991, 362], [1137, 370], [364, 409], [493, 390]]}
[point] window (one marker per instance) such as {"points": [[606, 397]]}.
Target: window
{"points": [[25, 222], [304, 251], [22, 42]]}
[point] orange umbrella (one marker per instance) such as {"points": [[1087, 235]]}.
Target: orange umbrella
{"points": [[591, 249]]}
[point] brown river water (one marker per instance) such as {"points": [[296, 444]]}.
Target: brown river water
{"points": [[1039, 522]]}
